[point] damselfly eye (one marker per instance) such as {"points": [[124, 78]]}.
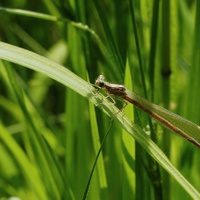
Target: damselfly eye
{"points": [[100, 81], [101, 78]]}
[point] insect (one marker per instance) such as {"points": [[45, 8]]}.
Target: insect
{"points": [[172, 121]]}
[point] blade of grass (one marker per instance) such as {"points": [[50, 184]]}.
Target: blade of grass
{"points": [[102, 177], [152, 54], [132, 9], [193, 95], [43, 16], [128, 154], [153, 166], [43, 155], [119, 73], [29, 171]]}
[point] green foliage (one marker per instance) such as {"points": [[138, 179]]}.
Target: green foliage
{"points": [[50, 136]]}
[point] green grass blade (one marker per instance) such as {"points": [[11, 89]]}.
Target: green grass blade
{"points": [[28, 169], [194, 82], [119, 69]]}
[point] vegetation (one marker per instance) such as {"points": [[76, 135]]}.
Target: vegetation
{"points": [[54, 143]]}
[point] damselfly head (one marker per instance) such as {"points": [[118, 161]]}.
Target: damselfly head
{"points": [[100, 81]]}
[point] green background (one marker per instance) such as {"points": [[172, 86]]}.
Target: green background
{"points": [[50, 135]]}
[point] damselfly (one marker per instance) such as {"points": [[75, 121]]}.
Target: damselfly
{"points": [[174, 122]]}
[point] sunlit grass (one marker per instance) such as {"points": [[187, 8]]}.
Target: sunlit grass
{"points": [[50, 135]]}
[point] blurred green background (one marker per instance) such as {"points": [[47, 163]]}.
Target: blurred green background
{"points": [[52, 134]]}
